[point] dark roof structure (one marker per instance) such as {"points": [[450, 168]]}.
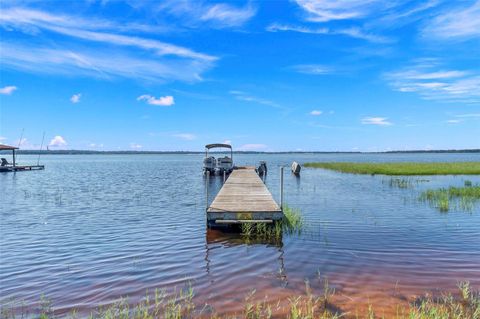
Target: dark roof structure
{"points": [[4, 147]]}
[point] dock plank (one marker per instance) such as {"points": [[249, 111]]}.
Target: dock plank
{"points": [[244, 193]]}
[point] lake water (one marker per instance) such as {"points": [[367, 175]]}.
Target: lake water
{"points": [[92, 228]]}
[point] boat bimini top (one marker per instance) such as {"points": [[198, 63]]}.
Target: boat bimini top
{"points": [[222, 163]]}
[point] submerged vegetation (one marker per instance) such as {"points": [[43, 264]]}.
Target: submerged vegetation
{"points": [[402, 168], [405, 182], [292, 223], [459, 197], [304, 306]]}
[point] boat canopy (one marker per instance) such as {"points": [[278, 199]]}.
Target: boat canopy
{"points": [[4, 147], [209, 146]]}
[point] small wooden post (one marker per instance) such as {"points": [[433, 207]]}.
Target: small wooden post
{"points": [[207, 181], [281, 187], [224, 176], [13, 157]]}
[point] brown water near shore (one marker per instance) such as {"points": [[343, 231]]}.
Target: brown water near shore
{"points": [[91, 229]]}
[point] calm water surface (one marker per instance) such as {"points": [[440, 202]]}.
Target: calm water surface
{"points": [[90, 229]]}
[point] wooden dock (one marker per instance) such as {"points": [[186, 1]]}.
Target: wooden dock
{"points": [[243, 198], [18, 168]]}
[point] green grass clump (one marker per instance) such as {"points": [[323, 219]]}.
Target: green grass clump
{"points": [[292, 223], [466, 304], [462, 197], [402, 168]]}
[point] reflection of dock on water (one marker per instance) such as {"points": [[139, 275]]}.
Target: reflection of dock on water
{"points": [[6, 166], [244, 198]]}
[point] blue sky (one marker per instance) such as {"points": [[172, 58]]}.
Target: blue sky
{"points": [[325, 75]]}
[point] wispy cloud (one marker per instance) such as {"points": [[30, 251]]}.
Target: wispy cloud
{"points": [[460, 23], [354, 32], [316, 113], [432, 82], [454, 121], [150, 59], [7, 90], [201, 13], [469, 115], [327, 10], [242, 96], [315, 69], [75, 98], [382, 121], [92, 63], [185, 136], [57, 141], [226, 15], [167, 100]]}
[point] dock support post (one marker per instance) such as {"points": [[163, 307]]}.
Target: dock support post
{"points": [[224, 176], [281, 187], [207, 181]]}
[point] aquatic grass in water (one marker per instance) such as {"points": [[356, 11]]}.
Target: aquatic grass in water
{"points": [[292, 223], [306, 306], [401, 168], [463, 198]]}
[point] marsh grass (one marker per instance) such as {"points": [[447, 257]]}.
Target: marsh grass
{"points": [[402, 168], [292, 223], [466, 304], [444, 199]]}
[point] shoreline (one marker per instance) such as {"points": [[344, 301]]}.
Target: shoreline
{"points": [[92, 152]]}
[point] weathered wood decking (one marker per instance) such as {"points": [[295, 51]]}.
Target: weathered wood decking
{"points": [[21, 168], [243, 198]]}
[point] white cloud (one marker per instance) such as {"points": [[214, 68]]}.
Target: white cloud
{"points": [[151, 59], [252, 147], [229, 142], [57, 141], [461, 23], [275, 27], [75, 98], [242, 96], [99, 64], [353, 32], [167, 100], [382, 121], [326, 10], [315, 69], [316, 113], [454, 121], [228, 16], [7, 90], [135, 146], [199, 13], [432, 82], [185, 136], [2, 138], [470, 115]]}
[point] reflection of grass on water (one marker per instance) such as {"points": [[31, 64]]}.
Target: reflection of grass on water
{"points": [[304, 306], [463, 198], [292, 223], [402, 168], [402, 182]]}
